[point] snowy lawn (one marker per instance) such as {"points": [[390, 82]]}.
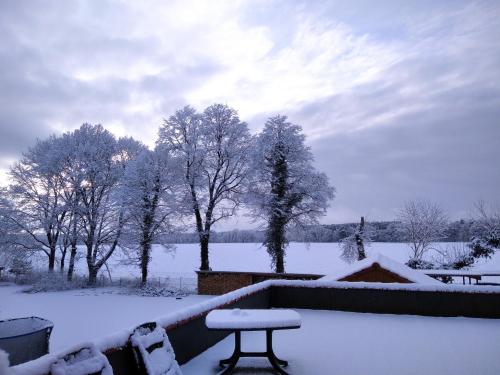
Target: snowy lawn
{"points": [[88, 314], [321, 258], [332, 342]]}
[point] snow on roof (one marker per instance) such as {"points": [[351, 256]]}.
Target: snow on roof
{"points": [[387, 264]]}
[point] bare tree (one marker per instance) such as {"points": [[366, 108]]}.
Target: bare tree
{"points": [[37, 210], [150, 197], [422, 223], [99, 161], [213, 150]]}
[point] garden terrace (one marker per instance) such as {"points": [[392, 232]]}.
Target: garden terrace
{"points": [[190, 337]]}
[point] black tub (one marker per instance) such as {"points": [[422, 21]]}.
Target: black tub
{"points": [[25, 339]]}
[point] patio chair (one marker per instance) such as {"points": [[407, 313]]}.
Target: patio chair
{"points": [[84, 361], [153, 352]]}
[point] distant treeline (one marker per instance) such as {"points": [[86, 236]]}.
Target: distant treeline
{"points": [[381, 231]]}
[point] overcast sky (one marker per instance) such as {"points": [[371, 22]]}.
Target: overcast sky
{"points": [[399, 99]]}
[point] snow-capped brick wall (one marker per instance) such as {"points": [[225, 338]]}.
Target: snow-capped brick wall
{"points": [[221, 282]]}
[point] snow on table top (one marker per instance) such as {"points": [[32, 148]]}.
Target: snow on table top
{"points": [[252, 319]]}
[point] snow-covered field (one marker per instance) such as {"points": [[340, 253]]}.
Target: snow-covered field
{"points": [[334, 342], [321, 258]]}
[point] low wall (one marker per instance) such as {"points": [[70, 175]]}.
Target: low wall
{"points": [[221, 282], [388, 301]]}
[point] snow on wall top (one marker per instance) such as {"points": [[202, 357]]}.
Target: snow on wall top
{"points": [[387, 264]]}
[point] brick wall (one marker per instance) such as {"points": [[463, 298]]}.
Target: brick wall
{"points": [[221, 282]]}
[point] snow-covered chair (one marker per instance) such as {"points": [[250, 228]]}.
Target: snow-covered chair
{"points": [[84, 361], [153, 352]]}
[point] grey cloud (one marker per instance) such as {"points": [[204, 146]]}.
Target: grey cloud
{"points": [[40, 43], [428, 128], [450, 156]]}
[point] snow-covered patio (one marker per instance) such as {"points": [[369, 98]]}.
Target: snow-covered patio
{"points": [[333, 342]]}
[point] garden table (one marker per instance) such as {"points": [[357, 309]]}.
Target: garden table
{"points": [[238, 320]]}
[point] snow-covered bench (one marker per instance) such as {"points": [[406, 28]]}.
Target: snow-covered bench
{"points": [[86, 360], [153, 352], [238, 320]]}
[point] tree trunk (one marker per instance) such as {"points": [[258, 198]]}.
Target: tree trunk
{"points": [[52, 257], [72, 257], [92, 276], [275, 234], [276, 244], [204, 239], [145, 255], [280, 262], [360, 241], [204, 235], [63, 257]]}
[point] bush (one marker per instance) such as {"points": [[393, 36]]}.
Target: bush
{"points": [[50, 282], [420, 264], [455, 257], [154, 291]]}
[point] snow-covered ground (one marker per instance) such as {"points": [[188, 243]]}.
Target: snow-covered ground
{"points": [[321, 258], [88, 314], [333, 342]]}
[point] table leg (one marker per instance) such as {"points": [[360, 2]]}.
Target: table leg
{"points": [[231, 361], [275, 361]]}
